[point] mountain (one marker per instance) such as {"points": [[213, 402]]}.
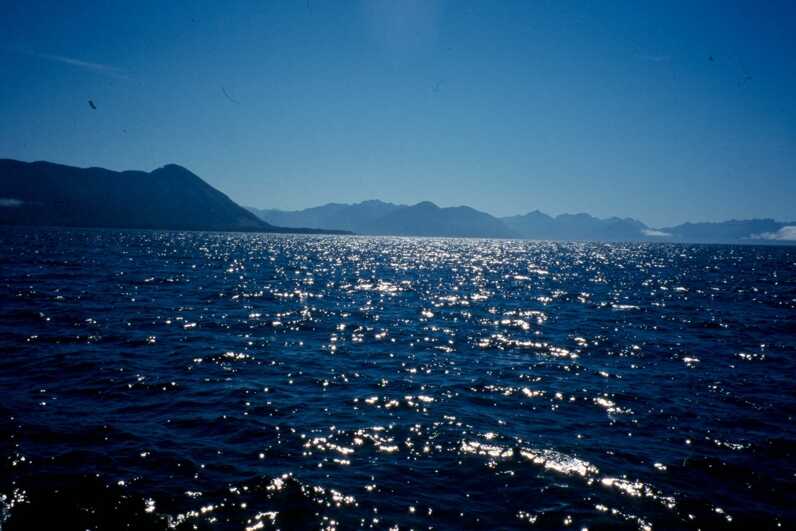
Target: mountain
{"points": [[380, 218], [427, 219], [533, 225], [171, 197], [749, 231], [539, 226], [356, 218]]}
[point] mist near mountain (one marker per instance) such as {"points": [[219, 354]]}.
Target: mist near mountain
{"points": [[754, 230]]}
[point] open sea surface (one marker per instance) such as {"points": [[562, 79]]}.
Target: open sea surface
{"points": [[153, 380]]}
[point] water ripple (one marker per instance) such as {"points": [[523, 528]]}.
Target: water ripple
{"points": [[226, 381]]}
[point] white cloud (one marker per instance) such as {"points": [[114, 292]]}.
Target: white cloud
{"points": [[98, 68], [10, 202], [656, 58], [655, 232], [86, 65], [785, 234]]}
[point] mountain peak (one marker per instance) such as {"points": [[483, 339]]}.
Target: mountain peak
{"points": [[174, 169], [538, 214], [579, 216], [170, 198]]}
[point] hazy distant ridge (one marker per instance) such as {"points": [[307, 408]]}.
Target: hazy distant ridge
{"points": [[173, 198], [427, 219], [380, 218]]}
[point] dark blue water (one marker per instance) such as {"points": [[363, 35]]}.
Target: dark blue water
{"points": [[154, 380]]}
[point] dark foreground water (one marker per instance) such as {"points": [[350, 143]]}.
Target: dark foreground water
{"points": [[152, 380]]}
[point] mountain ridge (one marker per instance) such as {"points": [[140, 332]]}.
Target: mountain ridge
{"points": [[170, 197], [428, 219]]}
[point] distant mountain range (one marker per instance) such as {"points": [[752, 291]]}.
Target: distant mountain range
{"points": [[427, 219], [171, 198], [377, 217]]}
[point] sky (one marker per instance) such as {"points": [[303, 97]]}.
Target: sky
{"points": [[665, 112]]}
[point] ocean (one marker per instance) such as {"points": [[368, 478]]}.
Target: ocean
{"points": [[155, 380]]}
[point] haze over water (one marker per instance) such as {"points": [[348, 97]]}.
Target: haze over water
{"points": [[227, 381]]}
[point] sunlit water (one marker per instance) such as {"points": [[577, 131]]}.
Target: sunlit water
{"points": [[153, 380]]}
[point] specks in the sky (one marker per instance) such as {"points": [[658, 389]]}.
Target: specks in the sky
{"points": [[91, 104], [230, 98]]}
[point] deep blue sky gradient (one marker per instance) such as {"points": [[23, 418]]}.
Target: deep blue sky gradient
{"points": [[666, 112]]}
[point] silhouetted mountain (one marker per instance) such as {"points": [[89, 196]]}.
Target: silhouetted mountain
{"points": [[377, 217], [427, 219], [533, 225], [171, 197], [540, 226], [356, 218], [747, 231]]}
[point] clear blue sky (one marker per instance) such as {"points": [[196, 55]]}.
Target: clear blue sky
{"points": [[664, 112]]}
